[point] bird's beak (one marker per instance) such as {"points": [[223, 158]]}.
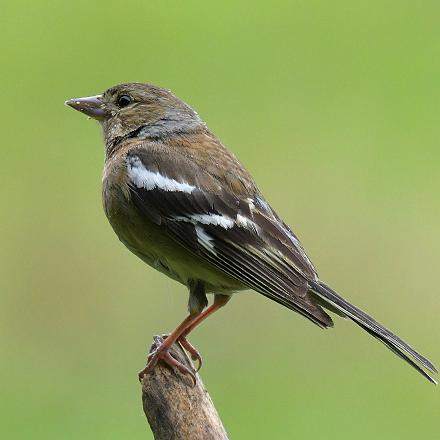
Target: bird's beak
{"points": [[92, 106]]}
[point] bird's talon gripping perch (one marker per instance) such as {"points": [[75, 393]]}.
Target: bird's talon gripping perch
{"points": [[189, 348], [162, 354]]}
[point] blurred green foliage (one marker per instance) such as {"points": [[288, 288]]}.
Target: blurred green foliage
{"points": [[333, 107]]}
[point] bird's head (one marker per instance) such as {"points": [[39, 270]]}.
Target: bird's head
{"points": [[137, 110]]}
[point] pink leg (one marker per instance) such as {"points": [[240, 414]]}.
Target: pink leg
{"points": [[179, 334], [219, 302]]}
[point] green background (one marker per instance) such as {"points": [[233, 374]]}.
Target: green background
{"points": [[332, 106]]}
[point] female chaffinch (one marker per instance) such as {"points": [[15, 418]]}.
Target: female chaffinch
{"points": [[183, 203]]}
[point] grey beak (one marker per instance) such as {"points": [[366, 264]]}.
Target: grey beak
{"points": [[92, 106]]}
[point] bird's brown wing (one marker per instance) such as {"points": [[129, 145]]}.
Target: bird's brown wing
{"points": [[240, 236]]}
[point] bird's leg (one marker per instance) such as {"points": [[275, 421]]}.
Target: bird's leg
{"points": [[219, 301], [162, 353]]}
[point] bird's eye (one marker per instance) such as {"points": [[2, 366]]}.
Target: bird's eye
{"points": [[124, 100]]}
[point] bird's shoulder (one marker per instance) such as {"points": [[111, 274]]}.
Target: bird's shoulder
{"points": [[198, 158], [205, 151]]}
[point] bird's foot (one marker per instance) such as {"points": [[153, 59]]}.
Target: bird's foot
{"points": [[195, 355], [161, 353], [189, 348]]}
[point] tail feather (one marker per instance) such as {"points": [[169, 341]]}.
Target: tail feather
{"points": [[393, 342]]}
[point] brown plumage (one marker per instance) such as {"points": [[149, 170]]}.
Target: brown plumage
{"points": [[183, 203]]}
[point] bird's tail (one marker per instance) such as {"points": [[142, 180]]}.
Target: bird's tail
{"points": [[393, 342]]}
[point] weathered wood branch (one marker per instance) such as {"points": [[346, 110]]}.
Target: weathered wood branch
{"points": [[175, 409]]}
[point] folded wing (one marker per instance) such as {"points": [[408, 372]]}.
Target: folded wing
{"points": [[238, 233]]}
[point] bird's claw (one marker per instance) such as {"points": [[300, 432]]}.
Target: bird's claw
{"points": [[195, 355], [189, 348], [162, 353]]}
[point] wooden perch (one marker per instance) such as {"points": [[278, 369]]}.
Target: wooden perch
{"points": [[175, 409]]}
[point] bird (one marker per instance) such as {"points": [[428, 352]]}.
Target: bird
{"points": [[179, 200]]}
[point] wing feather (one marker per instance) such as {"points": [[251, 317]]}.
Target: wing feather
{"points": [[239, 237]]}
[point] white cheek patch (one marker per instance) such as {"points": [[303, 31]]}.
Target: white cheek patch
{"points": [[150, 180]]}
